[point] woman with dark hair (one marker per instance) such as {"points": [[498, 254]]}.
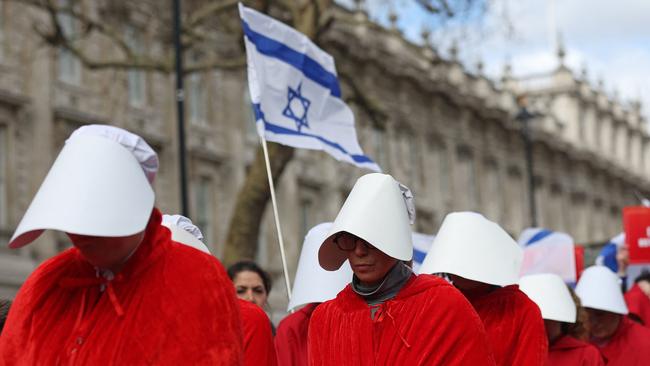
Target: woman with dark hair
{"points": [[563, 321], [251, 282]]}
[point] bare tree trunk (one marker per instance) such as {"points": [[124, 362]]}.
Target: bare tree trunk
{"points": [[243, 233]]}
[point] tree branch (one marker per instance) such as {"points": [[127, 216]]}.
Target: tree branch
{"points": [[377, 115], [216, 63]]}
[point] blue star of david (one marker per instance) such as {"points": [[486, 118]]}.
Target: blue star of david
{"points": [[300, 117]]}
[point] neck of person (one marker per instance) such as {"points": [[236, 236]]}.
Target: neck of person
{"points": [[387, 288]]}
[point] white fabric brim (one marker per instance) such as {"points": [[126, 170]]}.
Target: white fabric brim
{"points": [[374, 211], [95, 187], [473, 247], [313, 283], [180, 235], [551, 294]]}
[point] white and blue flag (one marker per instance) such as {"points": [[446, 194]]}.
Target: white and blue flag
{"points": [[295, 91], [547, 251], [421, 245], [607, 255]]}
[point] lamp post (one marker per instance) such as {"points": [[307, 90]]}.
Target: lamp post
{"points": [[180, 99], [525, 116]]}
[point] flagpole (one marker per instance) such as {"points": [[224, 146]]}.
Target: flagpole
{"points": [[276, 216]]}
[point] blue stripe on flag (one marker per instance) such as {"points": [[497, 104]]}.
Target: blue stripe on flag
{"points": [[309, 67], [539, 236], [259, 115], [418, 256]]}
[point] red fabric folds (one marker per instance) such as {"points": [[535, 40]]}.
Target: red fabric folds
{"points": [[568, 351], [514, 326], [428, 323], [258, 336], [638, 304], [170, 305], [629, 346], [291, 337]]}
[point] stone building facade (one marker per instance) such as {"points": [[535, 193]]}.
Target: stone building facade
{"points": [[447, 132]]}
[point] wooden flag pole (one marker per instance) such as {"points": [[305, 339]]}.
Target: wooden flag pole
{"points": [[276, 216]]}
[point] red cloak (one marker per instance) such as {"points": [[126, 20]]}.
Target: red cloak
{"points": [[258, 336], [291, 337], [638, 304], [514, 326], [170, 305], [629, 346], [428, 323], [568, 351]]}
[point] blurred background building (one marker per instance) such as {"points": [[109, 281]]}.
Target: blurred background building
{"points": [[445, 130]]}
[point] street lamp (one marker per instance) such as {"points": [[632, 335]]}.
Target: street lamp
{"points": [[525, 116]]}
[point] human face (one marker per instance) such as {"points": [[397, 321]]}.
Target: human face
{"points": [[603, 324], [470, 288], [250, 287], [368, 263], [106, 252], [553, 330]]}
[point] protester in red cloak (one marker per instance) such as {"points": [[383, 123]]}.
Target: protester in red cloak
{"points": [[483, 262], [512, 321], [628, 345], [638, 300], [427, 323], [291, 337], [387, 315], [258, 338], [621, 341], [560, 313], [126, 293], [159, 309], [568, 351]]}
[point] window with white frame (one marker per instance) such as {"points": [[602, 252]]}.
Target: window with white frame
{"points": [[137, 87], [4, 152], [197, 99], [204, 217], [69, 66]]}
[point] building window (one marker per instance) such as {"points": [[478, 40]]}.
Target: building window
{"points": [[69, 65], [305, 217], [414, 166], [204, 217], [4, 152], [380, 146], [249, 117], [136, 78], [2, 29], [468, 176], [443, 171], [196, 100], [492, 191]]}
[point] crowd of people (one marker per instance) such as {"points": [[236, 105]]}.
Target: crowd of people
{"points": [[140, 287]]}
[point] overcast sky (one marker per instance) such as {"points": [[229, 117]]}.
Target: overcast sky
{"points": [[610, 38]]}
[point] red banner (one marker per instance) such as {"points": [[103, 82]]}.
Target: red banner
{"points": [[580, 260], [636, 223]]}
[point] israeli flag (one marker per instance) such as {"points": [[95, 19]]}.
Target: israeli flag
{"points": [[421, 245], [607, 255], [547, 251], [295, 91]]}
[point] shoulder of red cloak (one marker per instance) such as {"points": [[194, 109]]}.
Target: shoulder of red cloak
{"points": [[638, 303], [429, 322], [258, 336], [291, 337], [571, 351], [514, 325], [568, 342]]}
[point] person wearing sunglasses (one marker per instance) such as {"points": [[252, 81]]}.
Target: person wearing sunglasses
{"points": [[387, 315]]}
